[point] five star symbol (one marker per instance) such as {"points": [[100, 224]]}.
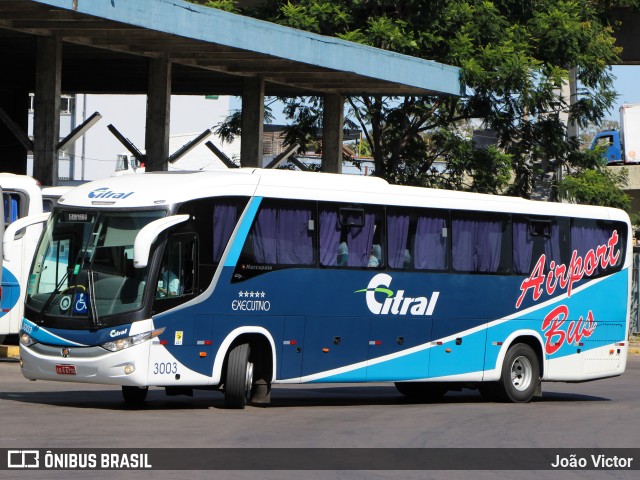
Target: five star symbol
{"points": [[251, 294]]}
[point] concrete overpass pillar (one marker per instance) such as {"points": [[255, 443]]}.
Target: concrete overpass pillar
{"points": [[46, 121], [252, 122], [156, 137], [332, 124]]}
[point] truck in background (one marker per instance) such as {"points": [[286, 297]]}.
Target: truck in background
{"points": [[622, 146]]}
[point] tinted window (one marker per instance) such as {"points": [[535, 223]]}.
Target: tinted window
{"points": [[350, 236], [417, 239], [534, 237], [479, 243], [282, 234]]}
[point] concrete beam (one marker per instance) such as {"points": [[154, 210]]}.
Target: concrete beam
{"points": [[332, 125], [633, 178], [46, 121], [627, 31], [14, 119], [252, 122], [633, 184], [156, 137]]}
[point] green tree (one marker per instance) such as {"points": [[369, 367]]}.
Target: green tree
{"points": [[599, 186], [514, 56]]}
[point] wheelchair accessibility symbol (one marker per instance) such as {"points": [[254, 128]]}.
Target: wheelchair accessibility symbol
{"points": [[81, 303]]}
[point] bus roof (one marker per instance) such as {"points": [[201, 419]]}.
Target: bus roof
{"points": [[12, 181], [165, 188]]}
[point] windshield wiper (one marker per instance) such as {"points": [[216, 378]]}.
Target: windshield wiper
{"points": [[92, 299], [47, 304]]}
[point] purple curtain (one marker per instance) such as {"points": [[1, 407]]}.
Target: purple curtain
{"points": [[476, 245], [552, 245], [430, 246], [463, 245], [264, 236], [329, 238], [522, 247], [225, 217], [295, 244], [585, 238], [397, 233], [360, 241], [489, 245]]}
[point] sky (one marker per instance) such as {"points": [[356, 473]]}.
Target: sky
{"points": [[628, 88]]}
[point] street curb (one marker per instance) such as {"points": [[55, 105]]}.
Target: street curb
{"points": [[9, 351]]}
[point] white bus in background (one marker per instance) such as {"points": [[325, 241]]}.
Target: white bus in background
{"points": [[22, 197]]}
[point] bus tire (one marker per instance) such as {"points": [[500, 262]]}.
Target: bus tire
{"points": [[134, 395], [520, 374], [239, 379], [425, 391]]}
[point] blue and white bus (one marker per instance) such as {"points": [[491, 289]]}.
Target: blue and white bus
{"points": [[238, 280], [22, 198]]}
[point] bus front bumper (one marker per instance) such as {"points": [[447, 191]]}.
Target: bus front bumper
{"points": [[86, 364]]}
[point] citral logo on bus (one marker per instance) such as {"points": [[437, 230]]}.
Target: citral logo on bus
{"points": [[396, 303], [104, 192]]}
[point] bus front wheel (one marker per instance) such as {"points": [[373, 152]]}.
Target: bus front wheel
{"points": [[520, 374], [134, 395], [239, 379]]}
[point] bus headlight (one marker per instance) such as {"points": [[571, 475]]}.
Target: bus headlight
{"points": [[122, 343], [26, 340]]}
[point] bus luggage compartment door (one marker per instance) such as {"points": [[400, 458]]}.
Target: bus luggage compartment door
{"points": [[333, 345]]}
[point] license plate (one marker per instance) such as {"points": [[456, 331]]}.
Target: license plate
{"points": [[66, 369]]}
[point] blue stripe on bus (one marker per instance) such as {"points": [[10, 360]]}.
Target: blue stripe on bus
{"points": [[46, 336], [10, 291], [243, 231], [595, 298], [68, 338]]}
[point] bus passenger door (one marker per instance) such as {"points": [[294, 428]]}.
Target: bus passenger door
{"points": [[455, 353], [335, 349], [290, 365], [398, 348]]}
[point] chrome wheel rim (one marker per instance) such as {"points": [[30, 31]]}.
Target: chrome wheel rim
{"points": [[521, 373], [248, 381]]}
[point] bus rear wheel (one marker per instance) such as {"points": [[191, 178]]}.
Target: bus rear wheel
{"points": [[520, 374], [239, 379], [425, 391], [134, 395]]}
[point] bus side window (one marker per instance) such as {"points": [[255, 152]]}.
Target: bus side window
{"points": [[282, 236], [177, 271], [47, 205], [225, 217], [417, 239], [11, 207], [351, 236], [478, 243], [587, 235]]}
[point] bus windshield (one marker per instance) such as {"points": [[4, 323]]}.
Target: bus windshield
{"points": [[83, 269]]}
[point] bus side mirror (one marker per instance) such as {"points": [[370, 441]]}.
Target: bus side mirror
{"points": [[10, 232], [148, 234]]}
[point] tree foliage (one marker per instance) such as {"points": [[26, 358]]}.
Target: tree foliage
{"points": [[597, 187], [514, 57]]}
